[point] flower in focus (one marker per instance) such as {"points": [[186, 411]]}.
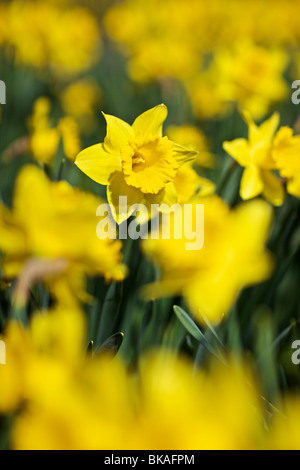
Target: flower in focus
{"points": [[286, 153], [135, 161], [50, 236], [255, 155], [44, 139], [211, 278]]}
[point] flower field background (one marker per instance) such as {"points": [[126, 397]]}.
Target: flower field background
{"points": [[143, 344]]}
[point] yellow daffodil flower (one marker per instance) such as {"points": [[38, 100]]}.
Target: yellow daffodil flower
{"points": [[211, 278], [135, 161], [50, 236], [255, 155]]}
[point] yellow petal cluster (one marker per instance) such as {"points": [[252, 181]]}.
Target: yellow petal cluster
{"points": [[256, 156], [246, 75], [50, 235], [47, 35], [67, 399], [45, 139], [212, 277]]}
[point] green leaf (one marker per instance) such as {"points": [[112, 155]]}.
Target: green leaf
{"points": [[109, 312], [188, 323], [195, 331]]}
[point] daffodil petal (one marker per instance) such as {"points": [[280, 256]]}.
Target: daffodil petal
{"points": [[252, 184], [151, 122], [98, 164], [32, 181], [170, 195], [273, 191], [118, 187], [207, 187], [118, 134], [265, 132], [239, 150], [183, 154], [293, 186], [205, 304], [268, 128], [257, 213]]}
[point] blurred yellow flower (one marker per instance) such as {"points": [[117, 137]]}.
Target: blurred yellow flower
{"points": [[70, 137], [44, 139], [211, 278], [173, 39], [44, 34], [286, 153], [68, 400], [191, 137], [188, 183], [71, 400], [157, 37], [50, 236], [284, 428], [81, 100], [135, 161], [213, 406], [255, 155], [247, 75]]}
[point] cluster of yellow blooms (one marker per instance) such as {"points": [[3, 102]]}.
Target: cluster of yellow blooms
{"points": [[265, 152], [247, 74], [139, 163], [237, 54], [66, 399], [43, 34], [80, 100], [44, 139], [50, 236]]}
